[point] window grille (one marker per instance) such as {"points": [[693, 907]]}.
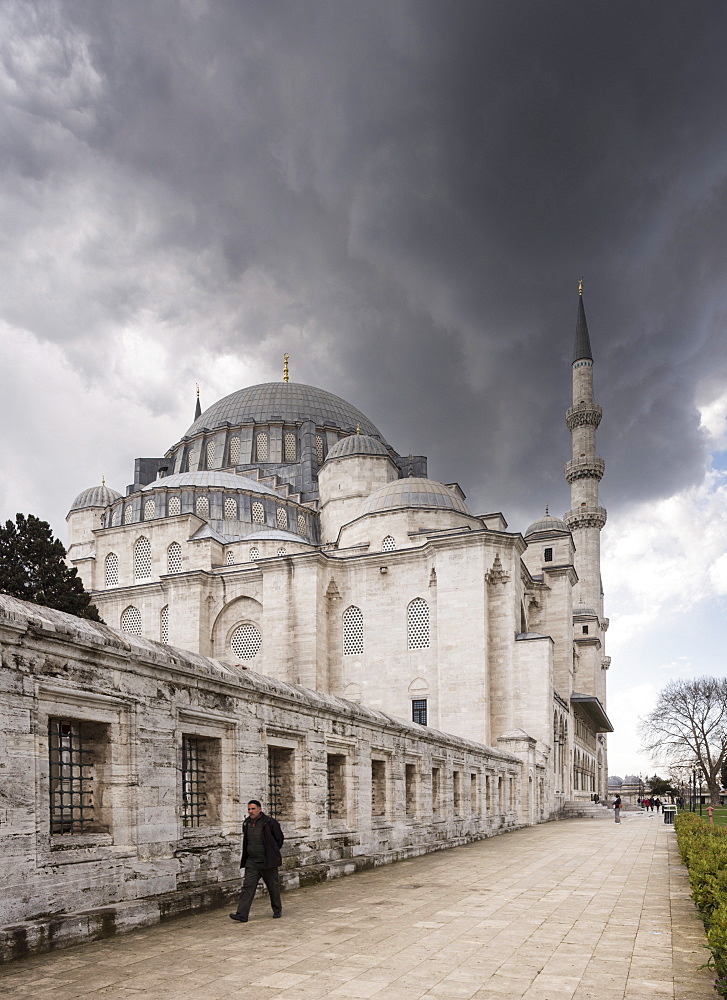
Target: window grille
{"points": [[548, 555], [274, 782], [281, 517], [436, 792], [230, 557], [457, 792], [261, 447], [378, 788], [388, 544], [202, 507], [174, 558], [194, 799], [70, 758], [419, 711], [319, 449], [128, 514], [258, 512], [235, 451], [150, 507], [142, 559], [230, 509], [164, 624], [192, 461], [418, 624], [174, 506], [291, 447], [282, 552], [353, 631], [131, 620], [410, 788], [111, 567], [211, 452], [116, 517], [254, 553], [301, 524], [246, 641], [336, 799]]}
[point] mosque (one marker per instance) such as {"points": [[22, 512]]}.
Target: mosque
{"points": [[282, 532]]}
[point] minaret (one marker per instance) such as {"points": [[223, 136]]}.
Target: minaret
{"points": [[586, 517]]}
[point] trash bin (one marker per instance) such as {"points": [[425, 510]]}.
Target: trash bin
{"points": [[669, 813]]}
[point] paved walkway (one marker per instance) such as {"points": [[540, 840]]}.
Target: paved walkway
{"points": [[577, 909]]}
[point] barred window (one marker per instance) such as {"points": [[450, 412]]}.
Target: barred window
{"points": [[419, 711], [336, 775], [74, 751], [258, 512], [164, 624], [261, 447], [142, 559], [230, 509], [230, 557], [282, 552], [418, 624], [291, 446], [301, 524], [131, 620], [378, 787], [319, 449], [235, 451], [194, 798], [388, 544], [202, 507], [128, 514], [353, 631], [246, 641], [174, 558], [281, 782], [174, 506], [111, 568], [281, 516], [254, 553], [150, 507], [211, 452]]}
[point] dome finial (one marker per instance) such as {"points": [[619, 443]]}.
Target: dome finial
{"points": [[358, 428], [580, 286], [547, 511], [286, 374], [103, 480], [198, 407]]}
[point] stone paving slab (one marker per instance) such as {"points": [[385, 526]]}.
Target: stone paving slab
{"points": [[579, 909]]}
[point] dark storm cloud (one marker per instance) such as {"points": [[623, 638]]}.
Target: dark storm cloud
{"points": [[401, 194]]}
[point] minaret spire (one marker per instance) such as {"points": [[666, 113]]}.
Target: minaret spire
{"points": [[582, 348], [198, 408]]}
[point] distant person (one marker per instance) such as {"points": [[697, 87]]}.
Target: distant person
{"points": [[262, 839], [596, 798], [657, 803], [639, 801], [617, 809], [646, 803]]}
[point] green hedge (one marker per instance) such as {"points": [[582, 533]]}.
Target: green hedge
{"points": [[704, 851]]}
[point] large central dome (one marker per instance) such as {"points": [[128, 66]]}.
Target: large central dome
{"points": [[290, 402]]}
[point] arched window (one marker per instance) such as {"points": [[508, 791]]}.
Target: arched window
{"points": [[211, 452], [281, 516], [174, 506], [261, 447], [353, 631], [418, 624], [192, 461], [150, 507], [128, 514], [235, 451], [202, 507], [230, 509], [388, 544], [282, 552], [246, 641], [164, 624], [254, 553], [258, 512], [142, 559], [301, 524], [174, 558], [131, 620], [116, 517], [291, 447], [111, 569], [230, 557]]}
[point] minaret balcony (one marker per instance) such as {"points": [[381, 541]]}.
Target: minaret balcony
{"points": [[583, 415], [586, 517], [585, 468]]}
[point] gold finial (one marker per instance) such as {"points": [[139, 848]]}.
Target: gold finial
{"points": [[285, 368], [547, 512], [197, 385], [580, 286], [358, 428], [103, 480]]}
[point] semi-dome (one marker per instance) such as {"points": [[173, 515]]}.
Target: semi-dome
{"points": [[545, 524], [357, 444], [220, 480], [95, 496], [413, 492], [290, 402]]}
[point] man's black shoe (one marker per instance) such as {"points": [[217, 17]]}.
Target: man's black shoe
{"points": [[276, 916], [236, 916]]}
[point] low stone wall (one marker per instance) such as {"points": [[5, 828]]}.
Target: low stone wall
{"points": [[128, 765]]}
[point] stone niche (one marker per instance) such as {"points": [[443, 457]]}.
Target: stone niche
{"points": [[129, 764]]}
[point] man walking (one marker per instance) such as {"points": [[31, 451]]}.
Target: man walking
{"points": [[262, 839]]}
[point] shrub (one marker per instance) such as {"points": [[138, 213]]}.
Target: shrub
{"points": [[703, 849]]}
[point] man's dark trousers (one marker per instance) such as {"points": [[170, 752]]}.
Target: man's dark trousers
{"points": [[254, 871]]}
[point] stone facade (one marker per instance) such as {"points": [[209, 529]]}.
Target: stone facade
{"points": [[128, 765]]}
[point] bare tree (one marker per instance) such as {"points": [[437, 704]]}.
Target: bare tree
{"points": [[688, 728]]}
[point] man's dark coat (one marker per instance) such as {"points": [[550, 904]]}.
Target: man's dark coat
{"points": [[272, 840]]}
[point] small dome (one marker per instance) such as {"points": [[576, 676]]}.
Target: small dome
{"points": [[95, 496], [413, 492], [614, 781], [212, 480], [546, 524], [357, 444], [581, 611]]}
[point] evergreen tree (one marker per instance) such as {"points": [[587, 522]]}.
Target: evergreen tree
{"points": [[33, 568]]}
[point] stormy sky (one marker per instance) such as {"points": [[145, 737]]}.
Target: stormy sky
{"points": [[402, 195]]}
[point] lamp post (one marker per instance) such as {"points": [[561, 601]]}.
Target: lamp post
{"points": [[693, 790]]}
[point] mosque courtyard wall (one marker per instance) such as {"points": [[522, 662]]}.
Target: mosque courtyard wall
{"points": [[128, 765]]}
